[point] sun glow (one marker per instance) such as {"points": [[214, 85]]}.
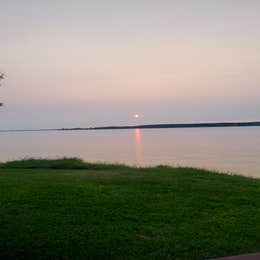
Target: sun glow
{"points": [[136, 115]]}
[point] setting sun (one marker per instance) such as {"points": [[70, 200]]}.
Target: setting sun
{"points": [[136, 115]]}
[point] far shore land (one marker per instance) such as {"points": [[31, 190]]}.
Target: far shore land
{"points": [[146, 126], [71, 209]]}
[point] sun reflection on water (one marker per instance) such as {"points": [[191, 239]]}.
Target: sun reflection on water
{"points": [[138, 147]]}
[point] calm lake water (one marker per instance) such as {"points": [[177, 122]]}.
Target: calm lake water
{"points": [[235, 149]]}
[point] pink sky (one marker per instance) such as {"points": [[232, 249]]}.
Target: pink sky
{"points": [[97, 62]]}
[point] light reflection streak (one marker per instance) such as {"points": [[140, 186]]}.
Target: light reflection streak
{"points": [[138, 147]]}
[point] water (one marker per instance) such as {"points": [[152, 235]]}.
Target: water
{"points": [[232, 149]]}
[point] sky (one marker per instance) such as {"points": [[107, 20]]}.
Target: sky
{"points": [[92, 63]]}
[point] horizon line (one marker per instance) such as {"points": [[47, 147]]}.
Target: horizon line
{"points": [[145, 126]]}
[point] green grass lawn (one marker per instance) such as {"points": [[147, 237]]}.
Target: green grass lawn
{"points": [[68, 209]]}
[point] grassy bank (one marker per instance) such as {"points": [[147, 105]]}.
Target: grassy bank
{"points": [[69, 209]]}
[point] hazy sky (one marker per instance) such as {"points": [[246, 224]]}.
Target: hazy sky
{"points": [[84, 63]]}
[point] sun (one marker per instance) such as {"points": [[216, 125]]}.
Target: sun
{"points": [[136, 115]]}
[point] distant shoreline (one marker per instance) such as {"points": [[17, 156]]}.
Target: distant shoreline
{"points": [[146, 126]]}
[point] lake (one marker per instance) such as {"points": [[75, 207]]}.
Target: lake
{"points": [[234, 149]]}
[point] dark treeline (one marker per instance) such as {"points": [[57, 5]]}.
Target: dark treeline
{"points": [[183, 125]]}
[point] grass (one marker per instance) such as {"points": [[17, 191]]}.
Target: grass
{"points": [[70, 209]]}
